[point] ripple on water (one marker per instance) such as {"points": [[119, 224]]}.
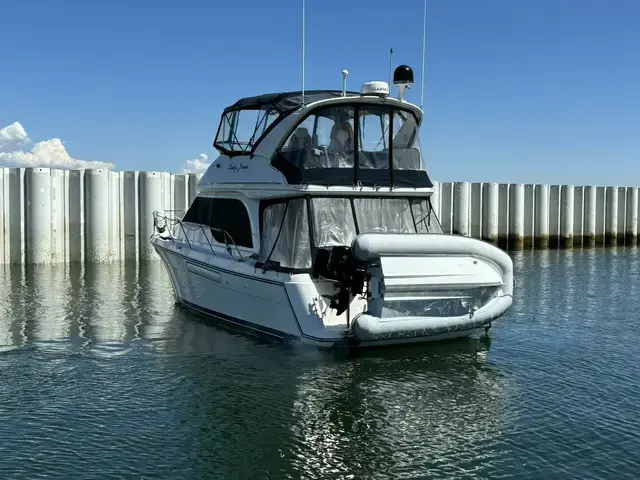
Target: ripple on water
{"points": [[102, 376]]}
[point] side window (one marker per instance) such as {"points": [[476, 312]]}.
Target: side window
{"points": [[230, 222], [325, 139], [373, 141], [406, 144], [199, 211], [301, 136]]}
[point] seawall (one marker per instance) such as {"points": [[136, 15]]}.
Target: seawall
{"points": [[526, 216], [58, 216], [64, 216]]}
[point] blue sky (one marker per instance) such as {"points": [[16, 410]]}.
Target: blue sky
{"points": [[516, 90]]}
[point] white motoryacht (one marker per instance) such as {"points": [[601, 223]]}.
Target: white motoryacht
{"points": [[315, 223]]}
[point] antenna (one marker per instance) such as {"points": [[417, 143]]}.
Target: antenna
{"points": [[345, 72], [303, 19], [390, 55], [424, 42]]}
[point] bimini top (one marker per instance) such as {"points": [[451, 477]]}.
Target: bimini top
{"points": [[330, 139], [284, 102]]}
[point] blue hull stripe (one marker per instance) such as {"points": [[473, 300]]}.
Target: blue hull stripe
{"points": [[236, 321]]}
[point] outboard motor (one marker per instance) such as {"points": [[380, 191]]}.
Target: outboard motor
{"points": [[339, 264]]}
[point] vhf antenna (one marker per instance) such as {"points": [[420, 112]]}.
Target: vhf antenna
{"points": [[303, 20], [390, 55], [345, 73], [424, 42]]}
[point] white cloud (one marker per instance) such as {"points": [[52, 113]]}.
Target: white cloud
{"points": [[13, 136], [197, 165], [48, 153]]}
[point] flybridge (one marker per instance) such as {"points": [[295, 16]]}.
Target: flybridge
{"points": [[331, 138], [325, 138]]}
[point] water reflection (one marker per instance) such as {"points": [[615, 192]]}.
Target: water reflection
{"points": [[109, 306], [379, 414], [400, 413], [571, 338], [11, 328], [112, 305], [46, 315], [96, 303], [552, 393], [554, 287]]}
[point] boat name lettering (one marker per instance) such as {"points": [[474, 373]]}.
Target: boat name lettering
{"points": [[236, 168]]}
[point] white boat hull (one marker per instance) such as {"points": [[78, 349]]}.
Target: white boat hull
{"points": [[289, 307]]}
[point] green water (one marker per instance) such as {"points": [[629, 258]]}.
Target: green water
{"points": [[102, 376]]}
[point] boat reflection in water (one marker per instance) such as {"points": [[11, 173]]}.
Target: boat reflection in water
{"points": [[417, 411], [430, 407]]}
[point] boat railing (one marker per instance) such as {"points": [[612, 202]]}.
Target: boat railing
{"points": [[227, 235], [167, 221]]}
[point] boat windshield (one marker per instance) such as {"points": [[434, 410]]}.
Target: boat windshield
{"points": [[361, 143], [241, 129], [287, 235]]}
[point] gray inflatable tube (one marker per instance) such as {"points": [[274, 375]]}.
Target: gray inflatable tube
{"points": [[369, 247]]}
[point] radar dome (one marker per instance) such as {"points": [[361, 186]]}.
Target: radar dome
{"points": [[403, 75]]}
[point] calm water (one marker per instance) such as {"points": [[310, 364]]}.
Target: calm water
{"points": [[101, 376]]}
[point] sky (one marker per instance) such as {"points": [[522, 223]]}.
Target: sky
{"points": [[522, 91]]}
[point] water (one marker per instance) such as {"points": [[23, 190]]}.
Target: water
{"points": [[101, 376]]}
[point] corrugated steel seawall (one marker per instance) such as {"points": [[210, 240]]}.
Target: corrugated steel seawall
{"points": [[519, 216], [57, 216]]}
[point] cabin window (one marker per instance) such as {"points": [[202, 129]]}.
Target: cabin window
{"points": [[239, 130], [333, 221], [199, 212], [324, 139], [373, 138], [285, 235], [227, 218], [406, 144], [230, 222], [384, 215]]}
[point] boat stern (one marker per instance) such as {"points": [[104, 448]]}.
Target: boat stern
{"points": [[430, 285]]}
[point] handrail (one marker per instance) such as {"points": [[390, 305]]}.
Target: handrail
{"points": [[173, 221], [162, 215], [227, 234]]}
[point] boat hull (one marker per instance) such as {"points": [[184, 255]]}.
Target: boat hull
{"points": [[274, 305], [252, 328]]}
